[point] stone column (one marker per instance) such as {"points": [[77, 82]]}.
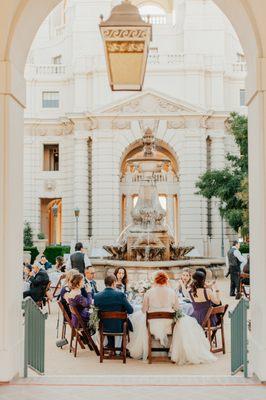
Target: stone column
{"points": [[81, 184], [105, 188], [257, 202], [192, 164], [217, 162], [12, 100]]}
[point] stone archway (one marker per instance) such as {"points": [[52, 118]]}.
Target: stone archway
{"points": [[19, 21]]}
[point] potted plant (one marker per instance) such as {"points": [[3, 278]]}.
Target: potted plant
{"points": [[41, 242]]}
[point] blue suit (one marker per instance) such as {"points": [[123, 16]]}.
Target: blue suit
{"points": [[112, 300]]}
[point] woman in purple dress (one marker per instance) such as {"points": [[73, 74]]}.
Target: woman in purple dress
{"points": [[76, 298], [203, 298]]}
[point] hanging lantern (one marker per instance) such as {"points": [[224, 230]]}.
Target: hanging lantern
{"points": [[126, 43]]}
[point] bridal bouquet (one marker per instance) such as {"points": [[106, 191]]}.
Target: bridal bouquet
{"points": [[94, 318], [178, 314]]}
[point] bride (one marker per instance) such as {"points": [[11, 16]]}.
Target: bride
{"points": [[189, 344]]}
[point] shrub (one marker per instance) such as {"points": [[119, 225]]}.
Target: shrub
{"points": [[41, 236], [51, 252], [27, 235], [34, 252], [244, 248]]}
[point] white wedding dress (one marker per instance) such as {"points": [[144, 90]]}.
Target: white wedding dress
{"points": [[189, 344]]}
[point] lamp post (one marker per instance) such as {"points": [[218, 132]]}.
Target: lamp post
{"points": [[55, 214], [126, 38], [222, 228], [76, 213]]}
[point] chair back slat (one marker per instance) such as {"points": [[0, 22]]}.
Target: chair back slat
{"points": [[219, 310], [113, 315], [160, 315], [65, 314]]}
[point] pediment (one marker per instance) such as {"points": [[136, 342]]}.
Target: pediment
{"points": [[151, 102]]}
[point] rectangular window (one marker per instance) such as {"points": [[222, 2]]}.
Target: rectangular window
{"points": [[242, 94], [50, 99], [57, 60], [51, 157]]}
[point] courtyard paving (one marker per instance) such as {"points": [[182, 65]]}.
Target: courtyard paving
{"points": [[61, 362], [85, 378]]}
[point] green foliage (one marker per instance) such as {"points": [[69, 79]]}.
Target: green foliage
{"points": [[41, 236], [34, 252], [244, 248], [27, 235], [51, 252], [230, 185]]}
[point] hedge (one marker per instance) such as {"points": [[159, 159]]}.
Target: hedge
{"points": [[34, 252], [244, 248], [51, 252]]}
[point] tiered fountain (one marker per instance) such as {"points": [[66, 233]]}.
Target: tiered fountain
{"points": [[147, 244], [147, 238]]}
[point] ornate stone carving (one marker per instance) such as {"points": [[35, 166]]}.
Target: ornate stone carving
{"points": [[124, 33], [125, 47], [149, 104], [121, 124], [176, 124], [50, 184]]}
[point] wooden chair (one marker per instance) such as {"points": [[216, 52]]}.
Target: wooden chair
{"points": [[111, 354], [67, 321], [81, 331], [158, 315], [211, 331], [58, 285], [45, 300], [243, 287]]}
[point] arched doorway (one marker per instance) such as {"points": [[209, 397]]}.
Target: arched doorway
{"points": [[167, 185], [21, 19]]}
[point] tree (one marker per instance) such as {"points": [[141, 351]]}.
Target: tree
{"points": [[28, 235], [230, 185]]}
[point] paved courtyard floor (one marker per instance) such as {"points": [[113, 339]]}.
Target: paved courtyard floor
{"points": [[85, 378], [61, 362], [134, 387]]}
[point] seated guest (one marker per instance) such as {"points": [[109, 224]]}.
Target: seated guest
{"points": [[90, 283], [44, 263], [66, 289], [121, 279], [183, 285], [60, 264], [203, 298], [111, 299], [76, 298], [39, 280], [246, 281], [26, 271]]}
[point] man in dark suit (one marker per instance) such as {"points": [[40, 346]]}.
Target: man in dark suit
{"points": [[39, 280], [112, 300], [90, 280], [78, 260]]}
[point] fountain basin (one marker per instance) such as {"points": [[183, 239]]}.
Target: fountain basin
{"points": [[139, 270]]}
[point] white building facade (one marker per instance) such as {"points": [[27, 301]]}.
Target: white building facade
{"points": [[78, 134]]}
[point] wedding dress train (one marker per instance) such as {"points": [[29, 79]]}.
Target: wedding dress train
{"points": [[189, 344]]}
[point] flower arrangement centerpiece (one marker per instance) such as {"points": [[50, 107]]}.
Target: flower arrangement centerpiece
{"points": [[138, 289], [94, 320]]}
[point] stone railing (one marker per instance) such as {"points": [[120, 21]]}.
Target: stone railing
{"points": [[239, 67], [59, 31], [159, 177], [155, 19], [166, 59], [49, 69]]}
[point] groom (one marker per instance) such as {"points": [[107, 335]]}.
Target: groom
{"points": [[112, 300]]}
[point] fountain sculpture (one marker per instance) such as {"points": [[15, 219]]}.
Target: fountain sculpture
{"points": [[147, 238]]}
